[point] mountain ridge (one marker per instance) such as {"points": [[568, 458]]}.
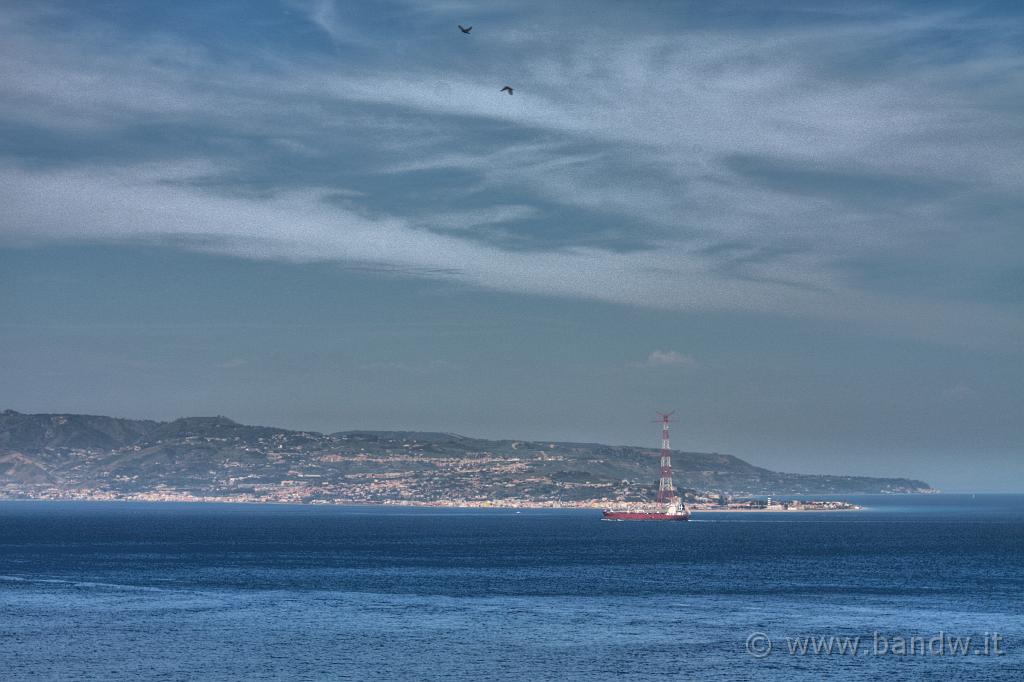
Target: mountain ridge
{"points": [[219, 457]]}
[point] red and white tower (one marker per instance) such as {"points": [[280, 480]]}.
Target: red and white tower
{"points": [[666, 491]]}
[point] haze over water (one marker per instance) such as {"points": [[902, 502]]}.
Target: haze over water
{"points": [[166, 591]]}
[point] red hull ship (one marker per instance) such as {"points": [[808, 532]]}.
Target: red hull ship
{"points": [[612, 515], [669, 506]]}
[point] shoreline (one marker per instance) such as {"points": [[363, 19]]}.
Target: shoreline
{"points": [[696, 510], [530, 506]]}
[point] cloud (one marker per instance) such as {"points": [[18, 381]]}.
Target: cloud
{"points": [[153, 205], [667, 358], [466, 220], [714, 163], [958, 393], [402, 367]]}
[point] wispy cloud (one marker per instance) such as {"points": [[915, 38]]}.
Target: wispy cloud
{"points": [[404, 367], [710, 165], [469, 219], [959, 393]]}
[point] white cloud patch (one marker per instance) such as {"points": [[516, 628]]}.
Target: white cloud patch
{"points": [[667, 358], [959, 393], [404, 367]]}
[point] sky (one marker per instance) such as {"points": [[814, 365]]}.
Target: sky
{"points": [[802, 228]]}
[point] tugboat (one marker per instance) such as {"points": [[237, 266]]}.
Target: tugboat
{"points": [[668, 507]]}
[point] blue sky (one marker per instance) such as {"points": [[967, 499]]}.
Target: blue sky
{"points": [[802, 228]]}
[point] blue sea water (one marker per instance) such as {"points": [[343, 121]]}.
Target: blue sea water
{"points": [[174, 591]]}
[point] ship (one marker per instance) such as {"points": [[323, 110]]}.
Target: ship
{"points": [[674, 511], [669, 506]]}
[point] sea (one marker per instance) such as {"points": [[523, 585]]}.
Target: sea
{"points": [[125, 591]]}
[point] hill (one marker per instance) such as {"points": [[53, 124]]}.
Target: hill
{"points": [[69, 455]]}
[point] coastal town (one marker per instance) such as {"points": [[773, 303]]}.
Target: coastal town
{"points": [[299, 494], [214, 459]]}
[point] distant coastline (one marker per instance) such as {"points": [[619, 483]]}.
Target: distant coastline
{"points": [[215, 459], [820, 506]]}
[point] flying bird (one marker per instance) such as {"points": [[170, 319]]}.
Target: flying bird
{"points": [[465, 29], [507, 89]]}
